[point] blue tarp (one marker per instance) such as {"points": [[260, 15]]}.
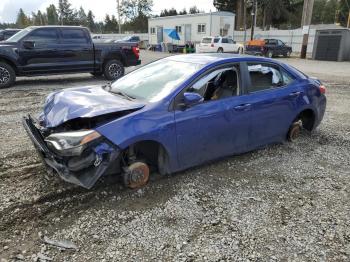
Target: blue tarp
{"points": [[172, 33]]}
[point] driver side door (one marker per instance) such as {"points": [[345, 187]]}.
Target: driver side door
{"points": [[207, 131]]}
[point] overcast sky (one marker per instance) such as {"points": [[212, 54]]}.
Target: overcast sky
{"points": [[9, 8]]}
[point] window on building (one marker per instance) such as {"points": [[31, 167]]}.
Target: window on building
{"points": [[178, 29], [201, 28], [153, 30]]}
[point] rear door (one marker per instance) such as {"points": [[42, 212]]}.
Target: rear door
{"points": [[76, 50], [273, 96]]}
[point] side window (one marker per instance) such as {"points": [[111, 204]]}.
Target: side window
{"points": [[230, 41], [74, 36], [218, 84], [280, 42], [287, 78], [224, 41], [264, 76], [216, 40], [44, 35]]}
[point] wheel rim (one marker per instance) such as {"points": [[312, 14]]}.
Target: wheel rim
{"points": [[294, 132], [270, 55], [115, 70], [4, 75], [220, 50]]}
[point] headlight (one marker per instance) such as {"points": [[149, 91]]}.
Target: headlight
{"points": [[71, 143]]}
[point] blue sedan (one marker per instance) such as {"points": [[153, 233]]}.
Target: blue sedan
{"points": [[173, 114]]}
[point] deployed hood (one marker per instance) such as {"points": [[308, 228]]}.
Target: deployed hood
{"points": [[85, 102]]}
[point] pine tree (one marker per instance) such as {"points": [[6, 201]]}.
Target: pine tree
{"points": [[52, 16], [22, 20], [65, 12], [90, 21]]}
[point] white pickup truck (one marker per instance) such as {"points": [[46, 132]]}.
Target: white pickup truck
{"points": [[218, 44]]}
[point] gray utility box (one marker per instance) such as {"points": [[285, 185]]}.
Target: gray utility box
{"points": [[332, 45]]}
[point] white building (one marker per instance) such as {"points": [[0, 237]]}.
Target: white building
{"points": [[191, 27]]}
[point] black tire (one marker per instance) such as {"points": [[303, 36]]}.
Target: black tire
{"points": [[220, 50], [97, 74], [269, 54], [287, 54], [113, 69], [7, 75]]}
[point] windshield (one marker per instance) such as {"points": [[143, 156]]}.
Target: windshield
{"points": [[18, 36], [155, 81]]}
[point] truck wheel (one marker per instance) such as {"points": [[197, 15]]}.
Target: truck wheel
{"points": [[113, 69], [7, 75], [269, 54], [287, 54], [220, 50]]}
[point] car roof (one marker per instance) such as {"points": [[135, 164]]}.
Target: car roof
{"points": [[205, 59]]}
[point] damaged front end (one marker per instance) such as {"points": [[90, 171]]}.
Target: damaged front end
{"points": [[79, 157]]}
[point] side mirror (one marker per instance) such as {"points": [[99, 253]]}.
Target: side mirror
{"points": [[28, 44], [191, 99]]}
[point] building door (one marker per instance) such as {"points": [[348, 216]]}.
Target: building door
{"points": [[159, 34], [328, 47], [187, 33]]}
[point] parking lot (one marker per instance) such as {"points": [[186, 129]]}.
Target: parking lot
{"points": [[287, 202]]}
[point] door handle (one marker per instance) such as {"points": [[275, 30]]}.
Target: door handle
{"points": [[294, 94], [242, 107]]}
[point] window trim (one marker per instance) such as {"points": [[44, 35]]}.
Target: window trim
{"points": [[205, 28], [58, 36], [153, 30], [174, 100], [248, 79], [178, 27]]}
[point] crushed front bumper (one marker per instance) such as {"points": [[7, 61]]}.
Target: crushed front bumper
{"points": [[96, 160]]}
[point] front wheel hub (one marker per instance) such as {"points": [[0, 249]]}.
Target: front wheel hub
{"points": [[294, 131], [136, 175]]}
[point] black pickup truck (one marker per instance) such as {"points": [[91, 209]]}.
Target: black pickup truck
{"points": [[268, 47], [43, 50]]}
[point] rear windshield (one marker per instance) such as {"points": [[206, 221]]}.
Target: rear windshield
{"points": [[206, 40]]}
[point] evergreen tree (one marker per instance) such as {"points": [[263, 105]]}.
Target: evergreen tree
{"points": [[82, 17], [90, 21], [22, 20], [65, 12], [52, 16], [194, 10]]}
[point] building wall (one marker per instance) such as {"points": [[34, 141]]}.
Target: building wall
{"points": [[211, 21]]}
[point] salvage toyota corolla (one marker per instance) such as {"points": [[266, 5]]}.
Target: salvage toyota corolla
{"points": [[172, 114]]}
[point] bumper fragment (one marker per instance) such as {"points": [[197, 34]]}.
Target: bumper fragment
{"points": [[84, 170]]}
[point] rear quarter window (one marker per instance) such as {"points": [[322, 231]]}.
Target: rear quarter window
{"points": [[74, 36], [206, 40]]}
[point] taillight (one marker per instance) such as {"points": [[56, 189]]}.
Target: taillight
{"points": [[322, 89], [136, 51], [212, 45]]}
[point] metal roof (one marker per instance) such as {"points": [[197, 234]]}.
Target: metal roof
{"points": [[218, 13]]}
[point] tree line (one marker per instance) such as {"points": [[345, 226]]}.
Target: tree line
{"points": [[134, 14], [285, 14]]}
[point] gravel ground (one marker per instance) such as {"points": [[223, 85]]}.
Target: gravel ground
{"points": [[286, 202]]}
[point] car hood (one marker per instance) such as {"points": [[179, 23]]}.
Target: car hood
{"points": [[83, 102]]}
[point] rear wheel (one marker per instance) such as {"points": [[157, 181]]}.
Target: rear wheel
{"points": [[113, 69], [220, 50], [269, 54], [7, 75], [294, 131], [287, 54]]}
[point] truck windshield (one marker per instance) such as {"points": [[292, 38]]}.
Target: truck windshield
{"points": [[154, 81], [18, 36]]}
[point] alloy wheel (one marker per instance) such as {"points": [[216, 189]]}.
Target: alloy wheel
{"points": [[115, 70], [4, 75]]}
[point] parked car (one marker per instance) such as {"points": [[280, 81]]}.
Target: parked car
{"points": [[219, 44], [7, 33], [268, 47], [173, 114], [131, 39], [43, 50]]}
